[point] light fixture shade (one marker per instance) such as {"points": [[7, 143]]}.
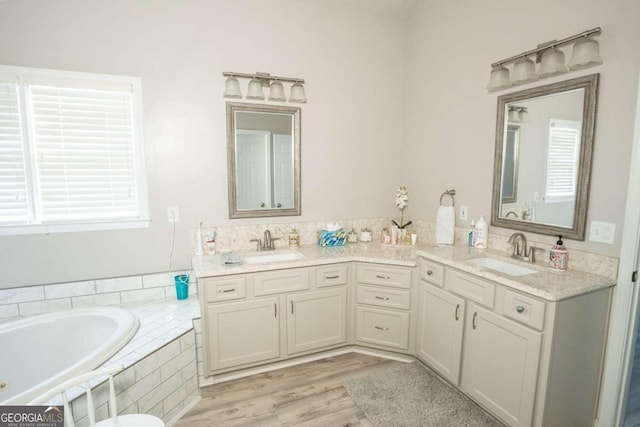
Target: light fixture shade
{"points": [[499, 78], [255, 89], [513, 115], [524, 71], [276, 93], [552, 63], [586, 53], [297, 93], [232, 88], [524, 115]]}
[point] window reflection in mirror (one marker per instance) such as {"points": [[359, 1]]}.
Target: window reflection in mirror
{"points": [[263, 150]]}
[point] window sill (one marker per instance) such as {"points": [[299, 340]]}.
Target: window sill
{"points": [[9, 230]]}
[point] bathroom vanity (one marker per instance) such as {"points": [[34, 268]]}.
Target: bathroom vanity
{"points": [[527, 348]]}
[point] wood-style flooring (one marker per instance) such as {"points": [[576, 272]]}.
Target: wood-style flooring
{"points": [[311, 394]]}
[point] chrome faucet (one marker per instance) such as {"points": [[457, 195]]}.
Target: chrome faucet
{"points": [[266, 243], [519, 248]]}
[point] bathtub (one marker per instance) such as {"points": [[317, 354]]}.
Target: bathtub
{"points": [[42, 351]]}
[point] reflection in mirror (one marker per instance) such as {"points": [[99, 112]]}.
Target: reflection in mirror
{"points": [[543, 158], [263, 143]]}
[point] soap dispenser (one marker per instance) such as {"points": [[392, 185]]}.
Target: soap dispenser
{"points": [[559, 256], [294, 239]]}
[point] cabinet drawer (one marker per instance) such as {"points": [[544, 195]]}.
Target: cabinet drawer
{"points": [[332, 275], [225, 289], [382, 327], [523, 309], [391, 298], [276, 282], [386, 276], [432, 272], [471, 287]]}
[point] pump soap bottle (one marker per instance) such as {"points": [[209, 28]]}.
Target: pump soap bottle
{"points": [[559, 256], [294, 239], [481, 234]]}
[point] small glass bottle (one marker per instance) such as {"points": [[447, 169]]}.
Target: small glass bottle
{"points": [[294, 239]]}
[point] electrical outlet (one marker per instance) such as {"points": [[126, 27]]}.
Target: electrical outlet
{"points": [[536, 196], [173, 214], [464, 211], [603, 232]]}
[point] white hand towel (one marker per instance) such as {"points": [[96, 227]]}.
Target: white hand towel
{"points": [[445, 225]]}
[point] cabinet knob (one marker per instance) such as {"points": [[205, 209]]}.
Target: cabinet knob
{"points": [[429, 272], [520, 309], [383, 277], [382, 298], [382, 328]]}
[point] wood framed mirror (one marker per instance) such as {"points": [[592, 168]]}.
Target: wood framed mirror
{"points": [[543, 155], [263, 160]]}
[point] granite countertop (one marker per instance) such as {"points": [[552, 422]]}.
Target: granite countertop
{"points": [[545, 283]]}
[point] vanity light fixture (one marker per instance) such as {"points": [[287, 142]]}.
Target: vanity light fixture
{"points": [[586, 53], [260, 80], [517, 114]]}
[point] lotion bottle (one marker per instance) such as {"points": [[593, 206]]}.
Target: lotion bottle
{"points": [[559, 256], [472, 233], [481, 234], [294, 239]]}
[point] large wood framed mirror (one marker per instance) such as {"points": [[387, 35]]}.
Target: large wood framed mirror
{"points": [[543, 153], [263, 160]]}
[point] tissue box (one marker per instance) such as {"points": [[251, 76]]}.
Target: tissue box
{"points": [[332, 238]]}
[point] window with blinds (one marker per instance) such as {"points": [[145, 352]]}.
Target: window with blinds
{"points": [[71, 152], [563, 149]]}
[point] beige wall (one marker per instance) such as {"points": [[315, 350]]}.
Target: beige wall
{"points": [[450, 120], [363, 135], [351, 126]]}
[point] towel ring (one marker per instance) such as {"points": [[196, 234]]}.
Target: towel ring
{"points": [[449, 193]]}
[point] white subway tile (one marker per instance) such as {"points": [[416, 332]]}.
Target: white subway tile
{"points": [[141, 295], [173, 366], [25, 294], [44, 306], [63, 290], [158, 280], [118, 284], [8, 310], [187, 340], [156, 360], [142, 387], [158, 394], [96, 300]]}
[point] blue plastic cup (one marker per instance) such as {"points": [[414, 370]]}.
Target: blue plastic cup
{"points": [[182, 286]]}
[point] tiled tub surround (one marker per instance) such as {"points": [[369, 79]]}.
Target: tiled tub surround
{"points": [[160, 375], [238, 238]]}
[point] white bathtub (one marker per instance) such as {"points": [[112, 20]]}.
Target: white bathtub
{"points": [[39, 352]]}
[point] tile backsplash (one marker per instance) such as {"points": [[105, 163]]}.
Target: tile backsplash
{"points": [[238, 237]]}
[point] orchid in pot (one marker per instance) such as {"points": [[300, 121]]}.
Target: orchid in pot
{"points": [[402, 200]]}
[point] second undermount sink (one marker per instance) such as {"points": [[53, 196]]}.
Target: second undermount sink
{"points": [[502, 266], [283, 256]]}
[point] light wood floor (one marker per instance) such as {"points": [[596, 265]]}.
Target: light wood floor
{"points": [[311, 394]]}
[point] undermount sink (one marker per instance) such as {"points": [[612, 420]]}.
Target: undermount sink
{"points": [[285, 256], [502, 266]]}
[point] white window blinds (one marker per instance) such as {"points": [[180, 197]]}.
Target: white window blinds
{"points": [[13, 185], [70, 150], [84, 153], [563, 148]]}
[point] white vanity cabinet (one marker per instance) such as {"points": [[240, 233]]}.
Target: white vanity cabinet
{"points": [[529, 361], [263, 317], [383, 306]]}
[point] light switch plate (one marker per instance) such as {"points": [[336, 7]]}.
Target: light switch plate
{"points": [[603, 232], [464, 210]]}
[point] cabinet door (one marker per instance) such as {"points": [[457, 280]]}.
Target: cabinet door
{"points": [[316, 319], [243, 332], [501, 365], [440, 328]]}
